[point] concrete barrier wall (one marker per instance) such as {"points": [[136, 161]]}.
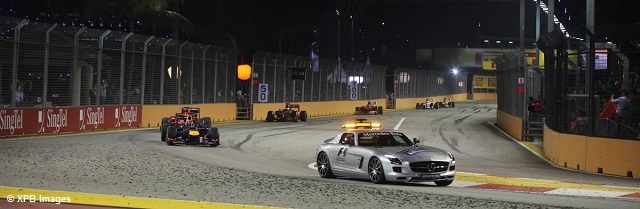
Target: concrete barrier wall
{"points": [[485, 96], [510, 124], [410, 103], [153, 114], [593, 154], [314, 108]]}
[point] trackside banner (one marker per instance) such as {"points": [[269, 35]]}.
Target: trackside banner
{"points": [[32, 121]]}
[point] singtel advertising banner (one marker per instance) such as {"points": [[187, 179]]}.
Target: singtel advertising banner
{"points": [[31, 121]]}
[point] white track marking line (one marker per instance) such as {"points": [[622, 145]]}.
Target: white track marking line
{"points": [[399, 124], [588, 193]]}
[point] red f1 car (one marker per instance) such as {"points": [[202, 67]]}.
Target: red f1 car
{"points": [[369, 109], [187, 127], [287, 114]]}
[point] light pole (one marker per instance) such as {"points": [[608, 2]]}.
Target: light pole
{"points": [[338, 13], [351, 18]]}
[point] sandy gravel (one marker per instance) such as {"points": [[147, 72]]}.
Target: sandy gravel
{"points": [[119, 164]]}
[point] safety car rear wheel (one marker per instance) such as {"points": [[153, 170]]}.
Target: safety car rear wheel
{"points": [[324, 167]]}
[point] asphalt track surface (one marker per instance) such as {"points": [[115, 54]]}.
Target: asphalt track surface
{"points": [[261, 163]]}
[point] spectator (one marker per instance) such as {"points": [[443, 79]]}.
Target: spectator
{"points": [[634, 99], [637, 83], [103, 92], [621, 103], [19, 93], [530, 107], [612, 87], [536, 105], [581, 124]]}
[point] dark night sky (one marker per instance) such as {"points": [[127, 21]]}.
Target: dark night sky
{"points": [[286, 26]]}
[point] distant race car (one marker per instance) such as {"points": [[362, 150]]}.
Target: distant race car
{"points": [[287, 114], [428, 104], [447, 103], [370, 109], [186, 127], [364, 151]]}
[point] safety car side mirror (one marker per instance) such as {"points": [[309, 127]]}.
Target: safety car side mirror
{"points": [[416, 140]]}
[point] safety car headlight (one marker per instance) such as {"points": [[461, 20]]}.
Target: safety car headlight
{"points": [[394, 160]]}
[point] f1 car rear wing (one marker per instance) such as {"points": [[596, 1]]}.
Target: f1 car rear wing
{"points": [[190, 110]]}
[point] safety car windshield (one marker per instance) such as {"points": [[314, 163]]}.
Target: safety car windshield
{"points": [[383, 139]]}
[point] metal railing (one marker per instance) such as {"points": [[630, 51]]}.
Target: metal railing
{"points": [[52, 65], [330, 81], [415, 83]]}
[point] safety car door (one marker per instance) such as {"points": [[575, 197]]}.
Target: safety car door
{"points": [[341, 150]]}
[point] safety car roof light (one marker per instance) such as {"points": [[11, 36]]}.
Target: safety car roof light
{"points": [[362, 124]]}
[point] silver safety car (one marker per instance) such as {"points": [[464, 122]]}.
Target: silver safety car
{"points": [[365, 151]]}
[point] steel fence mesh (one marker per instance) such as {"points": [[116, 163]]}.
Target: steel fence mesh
{"points": [[58, 65]]}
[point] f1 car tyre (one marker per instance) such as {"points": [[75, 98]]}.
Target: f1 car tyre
{"points": [[206, 121], [357, 109], [172, 133], [303, 115], [453, 104], [164, 120], [163, 131], [376, 171], [294, 116], [443, 183], [213, 134], [436, 106], [324, 167], [417, 106], [380, 110], [270, 116]]}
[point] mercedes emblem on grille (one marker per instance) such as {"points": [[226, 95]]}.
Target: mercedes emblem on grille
{"points": [[431, 167]]}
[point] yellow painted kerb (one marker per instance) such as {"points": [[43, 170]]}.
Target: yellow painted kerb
{"points": [[118, 201]]}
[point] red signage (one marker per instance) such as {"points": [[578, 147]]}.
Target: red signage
{"points": [[32, 121]]}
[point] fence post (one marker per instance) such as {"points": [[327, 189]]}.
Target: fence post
{"points": [[122, 57], [76, 81], [204, 64], [275, 75], [264, 70], [144, 68], [98, 91], [191, 77], [179, 72], [16, 51], [215, 73], [45, 78], [162, 67]]}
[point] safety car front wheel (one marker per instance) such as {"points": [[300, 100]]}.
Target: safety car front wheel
{"points": [[324, 167], [376, 171]]}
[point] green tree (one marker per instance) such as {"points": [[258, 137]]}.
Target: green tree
{"points": [[155, 12]]}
